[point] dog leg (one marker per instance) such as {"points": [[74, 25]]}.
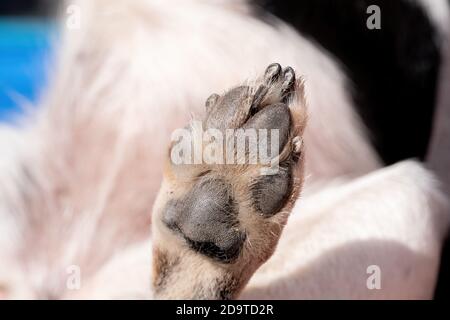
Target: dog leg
{"points": [[215, 224]]}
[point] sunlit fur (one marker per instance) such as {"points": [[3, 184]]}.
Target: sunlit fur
{"points": [[78, 176]]}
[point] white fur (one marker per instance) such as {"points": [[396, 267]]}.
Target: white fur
{"points": [[326, 249], [438, 12], [392, 218], [92, 154]]}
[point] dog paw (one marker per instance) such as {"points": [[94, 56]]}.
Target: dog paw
{"points": [[229, 186]]}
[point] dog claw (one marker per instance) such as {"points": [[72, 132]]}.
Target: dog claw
{"points": [[273, 71]]}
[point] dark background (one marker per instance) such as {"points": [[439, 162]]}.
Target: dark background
{"points": [[28, 7]]}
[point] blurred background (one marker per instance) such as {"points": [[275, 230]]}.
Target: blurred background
{"points": [[27, 36]]}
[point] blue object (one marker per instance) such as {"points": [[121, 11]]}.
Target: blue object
{"points": [[25, 58]]}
